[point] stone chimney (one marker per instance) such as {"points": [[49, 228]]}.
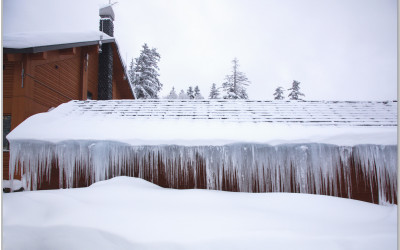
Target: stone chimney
{"points": [[106, 55]]}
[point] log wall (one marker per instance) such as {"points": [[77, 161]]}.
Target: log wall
{"points": [[52, 78]]}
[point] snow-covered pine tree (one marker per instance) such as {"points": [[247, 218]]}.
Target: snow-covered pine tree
{"points": [[197, 94], [279, 94], [235, 85], [145, 76], [172, 94], [183, 95], [190, 93], [131, 71], [295, 93], [214, 92]]}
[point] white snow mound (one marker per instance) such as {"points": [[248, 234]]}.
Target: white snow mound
{"points": [[110, 215], [124, 182]]}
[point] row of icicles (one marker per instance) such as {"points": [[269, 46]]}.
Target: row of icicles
{"points": [[363, 172]]}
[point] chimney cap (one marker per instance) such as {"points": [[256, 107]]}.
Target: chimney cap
{"points": [[107, 12]]}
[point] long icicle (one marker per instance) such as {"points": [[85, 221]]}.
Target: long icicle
{"points": [[306, 168]]}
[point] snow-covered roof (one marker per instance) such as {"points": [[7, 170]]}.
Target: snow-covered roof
{"points": [[32, 42], [211, 122]]}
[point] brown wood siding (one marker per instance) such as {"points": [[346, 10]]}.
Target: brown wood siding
{"points": [[62, 76], [60, 71], [8, 81], [121, 90], [124, 91], [93, 68]]}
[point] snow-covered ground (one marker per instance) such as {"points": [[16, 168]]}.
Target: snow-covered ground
{"points": [[130, 213]]}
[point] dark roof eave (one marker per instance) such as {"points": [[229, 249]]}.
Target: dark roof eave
{"points": [[39, 49]]}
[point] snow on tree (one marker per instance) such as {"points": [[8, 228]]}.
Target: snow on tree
{"points": [[197, 94], [295, 93], [183, 95], [190, 92], [131, 71], [214, 92], [235, 85], [172, 94], [145, 74], [279, 94]]}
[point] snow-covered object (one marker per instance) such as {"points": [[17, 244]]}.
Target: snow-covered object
{"points": [[129, 213], [236, 82], [172, 94], [146, 84], [16, 184], [107, 11], [295, 91], [253, 146], [41, 39], [214, 122], [279, 93], [214, 92]]}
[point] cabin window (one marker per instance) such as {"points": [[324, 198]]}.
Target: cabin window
{"points": [[6, 130], [89, 95]]}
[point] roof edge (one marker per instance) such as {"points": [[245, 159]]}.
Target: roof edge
{"points": [[124, 66], [45, 48]]}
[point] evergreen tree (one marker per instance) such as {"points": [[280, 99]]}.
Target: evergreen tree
{"points": [[190, 93], [214, 92], [279, 94], [295, 93], [235, 85], [131, 71], [197, 94], [145, 74], [172, 94], [183, 95]]}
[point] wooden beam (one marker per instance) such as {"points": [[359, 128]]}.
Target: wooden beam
{"points": [[70, 51], [14, 57], [39, 56]]}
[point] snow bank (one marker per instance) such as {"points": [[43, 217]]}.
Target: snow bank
{"points": [[127, 213], [13, 185]]}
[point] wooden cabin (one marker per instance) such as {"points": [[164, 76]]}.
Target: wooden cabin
{"points": [[344, 149], [43, 70]]}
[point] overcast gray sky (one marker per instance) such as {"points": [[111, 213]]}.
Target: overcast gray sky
{"points": [[337, 49]]}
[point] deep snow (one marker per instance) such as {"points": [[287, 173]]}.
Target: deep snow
{"points": [[130, 213]]}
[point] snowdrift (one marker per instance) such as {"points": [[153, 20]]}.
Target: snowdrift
{"points": [[130, 213]]}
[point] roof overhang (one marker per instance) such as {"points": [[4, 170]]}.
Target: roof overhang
{"points": [[36, 42], [45, 48]]}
